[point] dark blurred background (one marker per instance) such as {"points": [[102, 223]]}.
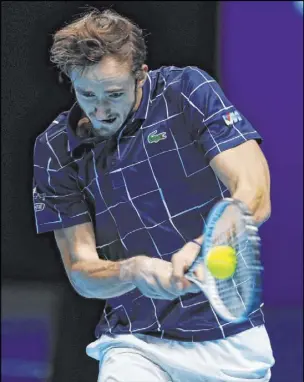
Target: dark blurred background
{"points": [[255, 51]]}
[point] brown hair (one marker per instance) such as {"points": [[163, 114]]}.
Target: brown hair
{"points": [[96, 34]]}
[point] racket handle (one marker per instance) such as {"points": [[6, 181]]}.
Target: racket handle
{"points": [[194, 265], [196, 261]]}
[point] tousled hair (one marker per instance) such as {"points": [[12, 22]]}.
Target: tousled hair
{"points": [[96, 34]]}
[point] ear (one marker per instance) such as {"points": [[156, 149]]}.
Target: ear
{"points": [[142, 76]]}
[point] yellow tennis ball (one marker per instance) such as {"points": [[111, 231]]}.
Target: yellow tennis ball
{"points": [[221, 261]]}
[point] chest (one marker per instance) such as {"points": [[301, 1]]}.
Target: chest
{"points": [[153, 181], [163, 157]]}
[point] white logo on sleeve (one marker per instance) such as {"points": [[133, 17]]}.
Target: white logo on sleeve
{"points": [[232, 117], [38, 206]]}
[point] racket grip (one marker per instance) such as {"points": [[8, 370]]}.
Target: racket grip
{"points": [[196, 261], [194, 265]]}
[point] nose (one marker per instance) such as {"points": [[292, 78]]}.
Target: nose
{"points": [[102, 113]]}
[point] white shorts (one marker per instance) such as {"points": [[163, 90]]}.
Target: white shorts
{"points": [[246, 356]]}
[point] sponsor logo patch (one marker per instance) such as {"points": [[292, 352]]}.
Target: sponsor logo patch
{"points": [[232, 117]]}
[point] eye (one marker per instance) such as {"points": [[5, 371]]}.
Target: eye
{"points": [[88, 95], [115, 95]]}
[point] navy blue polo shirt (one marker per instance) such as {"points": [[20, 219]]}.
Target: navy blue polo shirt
{"points": [[150, 193]]}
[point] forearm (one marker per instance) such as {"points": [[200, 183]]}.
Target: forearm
{"points": [[102, 278], [258, 204]]}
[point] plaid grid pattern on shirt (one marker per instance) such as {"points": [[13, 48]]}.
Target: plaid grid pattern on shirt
{"points": [[153, 195]]}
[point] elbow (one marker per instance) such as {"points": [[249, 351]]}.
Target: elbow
{"points": [[78, 283], [265, 206], [257, 201], [263, 213], [268, 211], [82, 293]]}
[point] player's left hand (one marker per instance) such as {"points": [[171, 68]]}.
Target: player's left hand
{"points": [[181, 261]]}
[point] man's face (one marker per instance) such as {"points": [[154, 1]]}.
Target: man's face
{"points": [[106, 94]]}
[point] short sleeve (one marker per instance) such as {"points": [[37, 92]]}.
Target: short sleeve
{"points": [[58, 202], [217, 124]]}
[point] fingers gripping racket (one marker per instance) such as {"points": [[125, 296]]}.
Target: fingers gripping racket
{"points": [[231, 225]]}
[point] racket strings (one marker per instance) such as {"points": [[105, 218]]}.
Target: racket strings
{"points": [[235, 293]]}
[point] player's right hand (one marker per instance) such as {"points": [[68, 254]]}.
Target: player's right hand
{"points": [[152, 277]]}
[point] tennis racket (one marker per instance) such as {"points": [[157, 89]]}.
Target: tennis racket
{"points": [[233, 299]]}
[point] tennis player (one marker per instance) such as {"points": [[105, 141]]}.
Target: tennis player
{"points": [[126, 179]]}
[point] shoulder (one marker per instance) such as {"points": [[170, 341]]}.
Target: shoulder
{"points": [[53, 141], [194, 77], [166, 74], [56, 128], [183, 78]]}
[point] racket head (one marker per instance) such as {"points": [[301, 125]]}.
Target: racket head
{"points": [[234, 298]]}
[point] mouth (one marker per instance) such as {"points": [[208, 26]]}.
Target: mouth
{"points": [[108, 121]]}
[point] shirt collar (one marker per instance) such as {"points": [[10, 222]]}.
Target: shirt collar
{"points": [[76, 113], [142, 111]]}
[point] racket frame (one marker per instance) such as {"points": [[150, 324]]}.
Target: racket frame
{"points": [[209, 287]]}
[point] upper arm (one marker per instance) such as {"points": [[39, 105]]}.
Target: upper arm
{"points": [[228, 140], [57, 198], [244, 171], [243, 166], [60, 206], [76, 244], [217, 124]]}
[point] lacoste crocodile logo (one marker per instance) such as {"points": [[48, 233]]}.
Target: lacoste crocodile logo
{"points": [[155, 138]]}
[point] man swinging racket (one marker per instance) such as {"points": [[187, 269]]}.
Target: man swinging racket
{"points": [[126, 180]]}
